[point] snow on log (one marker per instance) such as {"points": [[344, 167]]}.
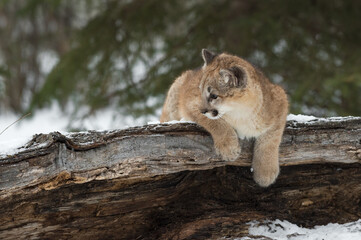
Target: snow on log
{"points": [[166, 182]]}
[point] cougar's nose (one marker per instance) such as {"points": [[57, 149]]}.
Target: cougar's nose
{"points": [[214, 113]]}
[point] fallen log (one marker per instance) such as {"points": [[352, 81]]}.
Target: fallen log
{"points": [[166, 182]]}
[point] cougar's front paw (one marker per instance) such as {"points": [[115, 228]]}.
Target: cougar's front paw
{"points": [[265, 175], [229, 149]]}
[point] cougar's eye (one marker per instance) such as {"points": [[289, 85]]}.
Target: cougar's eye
{"points": [[209, 89], [213, 96]]}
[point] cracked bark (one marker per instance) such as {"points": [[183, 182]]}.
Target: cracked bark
{"points": [[165, 182]]}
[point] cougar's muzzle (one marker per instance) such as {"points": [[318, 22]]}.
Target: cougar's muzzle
{"points": [[211, 114]]}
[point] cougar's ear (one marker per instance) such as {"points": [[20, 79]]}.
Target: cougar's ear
{"points": [[233, 77], [208, 56]]}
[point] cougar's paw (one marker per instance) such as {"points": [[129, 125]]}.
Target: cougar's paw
{"points": [[229, 150], [265, 175]]}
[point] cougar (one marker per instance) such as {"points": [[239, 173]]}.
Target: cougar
{"points": [[232, 99]]}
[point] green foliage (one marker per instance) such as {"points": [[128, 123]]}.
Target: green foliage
{"points": [[131, 51], [29, 30]]}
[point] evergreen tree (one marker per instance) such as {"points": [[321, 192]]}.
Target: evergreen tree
{"points": [[129, 52]]}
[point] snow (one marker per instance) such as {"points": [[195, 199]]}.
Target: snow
{"points": [[310, 119], [170, 122], [53, 119], [44, 121], [284, 230], [11, 146], [300, 118]]}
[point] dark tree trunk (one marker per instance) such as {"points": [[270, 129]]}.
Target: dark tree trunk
{"points": [[165, 182]]}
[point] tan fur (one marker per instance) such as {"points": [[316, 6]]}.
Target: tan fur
{"points": [[241, 103]]}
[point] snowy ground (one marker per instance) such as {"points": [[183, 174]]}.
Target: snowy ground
{"points": [[284, 230], [50, 120]]}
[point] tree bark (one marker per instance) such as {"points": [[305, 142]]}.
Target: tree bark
{"points": [[166, 182]]}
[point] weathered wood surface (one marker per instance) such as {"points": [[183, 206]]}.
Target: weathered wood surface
{"points": [[165, 182]]}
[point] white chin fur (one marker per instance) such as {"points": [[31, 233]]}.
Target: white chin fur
{"points": [[210, 116]]}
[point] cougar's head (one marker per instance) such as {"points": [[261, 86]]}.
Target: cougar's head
{"points": [[223, 80]]}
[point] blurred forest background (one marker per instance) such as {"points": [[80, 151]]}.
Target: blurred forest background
{"points": [[89, 55]]}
